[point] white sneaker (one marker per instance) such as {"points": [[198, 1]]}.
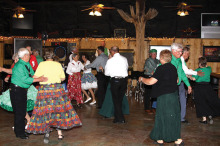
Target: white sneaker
{"points": [[88, 100], [94, 102]]}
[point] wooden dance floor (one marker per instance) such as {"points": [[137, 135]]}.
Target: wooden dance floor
{"points": [[97, 131]]}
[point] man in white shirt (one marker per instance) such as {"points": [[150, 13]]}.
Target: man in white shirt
{"points": [[182, 91], [117, 68]]}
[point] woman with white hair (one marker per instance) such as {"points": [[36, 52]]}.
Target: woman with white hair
{"points": [[20, 81], [52, 107]]}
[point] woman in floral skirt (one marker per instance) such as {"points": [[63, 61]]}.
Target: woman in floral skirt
{"points": [[74, 80], [52, 107]]}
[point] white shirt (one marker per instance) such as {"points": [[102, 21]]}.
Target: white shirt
{"points": [[74, 67], [117, 66], [185, 68], [89, 69]]}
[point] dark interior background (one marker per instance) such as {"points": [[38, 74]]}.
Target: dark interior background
{"points": [[64, 18]]}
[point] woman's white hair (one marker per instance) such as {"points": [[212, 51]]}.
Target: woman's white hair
{"points": [[15, 56], [22, 52], [176, 46]]}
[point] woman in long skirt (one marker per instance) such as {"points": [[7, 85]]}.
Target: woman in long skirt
{"points": [[52, 107], [167, 120], [74, 80]]}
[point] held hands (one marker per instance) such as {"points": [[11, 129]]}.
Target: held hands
{"points": [[189, 89], [101, 68], [6, 79], [43, 79]]}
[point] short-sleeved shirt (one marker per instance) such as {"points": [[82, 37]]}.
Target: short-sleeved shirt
{"points": [[166, 75], [52, 70], [21, 74]]}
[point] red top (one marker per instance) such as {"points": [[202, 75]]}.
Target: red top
{"points": [[33, 62]]}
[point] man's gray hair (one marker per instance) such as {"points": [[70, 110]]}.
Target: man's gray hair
{"points": [[176, 46], [22, 52]]}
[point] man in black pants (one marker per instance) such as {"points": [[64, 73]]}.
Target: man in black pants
{"points": [[20, 81], [98, 63], [117, 68]]}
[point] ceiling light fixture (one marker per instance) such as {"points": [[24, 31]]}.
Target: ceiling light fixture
{"points": [[20, 15], [95, 12]]}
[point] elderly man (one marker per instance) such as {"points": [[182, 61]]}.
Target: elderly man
{"points": [[20, 81], [182, 91], [177, 50], [33, 60], [98, 63], [117, 68], [37, 55], [149, 68]]}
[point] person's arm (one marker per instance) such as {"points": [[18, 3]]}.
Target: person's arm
{"points": [[107, 71], [69, 70], [94, 64], [186, 69], [148, 81], [8, 71], [39, 79]]}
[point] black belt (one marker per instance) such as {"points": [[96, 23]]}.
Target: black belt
{"points": [[14, 85], [202, 83]]}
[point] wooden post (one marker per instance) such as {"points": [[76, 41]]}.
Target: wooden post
{"points": [[139, 20]]}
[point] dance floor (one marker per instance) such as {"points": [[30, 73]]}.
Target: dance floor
{"points": [[98, 131]]}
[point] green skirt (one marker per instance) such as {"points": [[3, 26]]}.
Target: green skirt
{"points": [[107, 109], [167, 125], [5, 101]]}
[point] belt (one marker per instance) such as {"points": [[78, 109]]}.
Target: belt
{"points": [[117, 77]]}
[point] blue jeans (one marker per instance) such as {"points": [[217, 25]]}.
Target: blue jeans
{"points": [[182, 96]]}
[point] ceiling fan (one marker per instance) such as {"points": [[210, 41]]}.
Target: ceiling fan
{"points": [[183, 8], [97, 9]]}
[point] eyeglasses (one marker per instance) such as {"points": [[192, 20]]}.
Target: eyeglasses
{"points": [[179, 51]]}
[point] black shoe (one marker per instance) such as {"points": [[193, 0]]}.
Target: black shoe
{"points": [[98, 107], [203, 122], [23, 136], [119, 122], [185, 121]]}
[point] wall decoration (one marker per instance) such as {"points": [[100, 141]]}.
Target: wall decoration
{"points": [[212, 53]]}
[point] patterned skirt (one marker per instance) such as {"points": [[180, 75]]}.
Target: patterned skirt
{"points": [[74, 87], [52, 109], [5, 101], [89, 81]]}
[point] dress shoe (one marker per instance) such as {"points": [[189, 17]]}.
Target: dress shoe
{"points": [[149, 111], [119, 122], [185, 121], [203, 122], [87, 100], [181, 144], [94, 102], [23, 136]]}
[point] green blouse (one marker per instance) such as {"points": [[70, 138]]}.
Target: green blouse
{"points": [[207, 72]]}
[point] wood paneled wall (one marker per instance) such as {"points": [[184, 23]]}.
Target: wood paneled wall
{"points": [[196, 47]]}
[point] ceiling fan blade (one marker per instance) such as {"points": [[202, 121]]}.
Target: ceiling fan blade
{"points": [[108, 7], [170, 6], [198, 6], [30, 11], [86, 9]]}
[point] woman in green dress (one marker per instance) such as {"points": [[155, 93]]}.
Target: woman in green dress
{"points": [[167, 120], [107, 109]]}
